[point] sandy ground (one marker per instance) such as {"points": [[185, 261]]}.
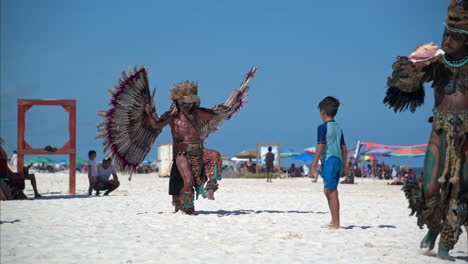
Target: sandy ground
{"points": [[250, 221]]}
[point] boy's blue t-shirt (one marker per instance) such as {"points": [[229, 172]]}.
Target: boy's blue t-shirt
{"points": [[331, 135]]}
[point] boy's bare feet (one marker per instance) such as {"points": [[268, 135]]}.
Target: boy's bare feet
{"points": [[331, 226], [37, 195]]}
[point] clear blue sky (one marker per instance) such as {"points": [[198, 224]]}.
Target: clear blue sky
{"points": [[305, 50]]}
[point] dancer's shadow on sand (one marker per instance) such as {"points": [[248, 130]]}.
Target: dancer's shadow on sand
{"points": [[222, 213], [10, 222], [366, 227], [465, 258], [63, 196]]}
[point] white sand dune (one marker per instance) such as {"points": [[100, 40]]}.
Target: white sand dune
{"points": [[250, 221]]}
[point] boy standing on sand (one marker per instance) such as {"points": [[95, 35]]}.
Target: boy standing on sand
{"points": [[92, 170], [331, 149]]}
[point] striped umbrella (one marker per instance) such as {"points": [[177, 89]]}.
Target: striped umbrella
{"points": [[310, 150], [368, 158], [378, 152], [408, 152], [289, 153]]}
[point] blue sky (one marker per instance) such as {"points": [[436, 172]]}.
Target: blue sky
{"points": [[305, 50]]}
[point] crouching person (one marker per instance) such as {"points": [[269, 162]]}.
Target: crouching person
{"points": [[104, 172]]}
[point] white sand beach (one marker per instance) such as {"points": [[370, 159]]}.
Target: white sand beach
{"points": [[250, 221]]}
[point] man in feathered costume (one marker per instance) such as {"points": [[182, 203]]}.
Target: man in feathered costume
{"points": [[441, 203], [132, 125]]}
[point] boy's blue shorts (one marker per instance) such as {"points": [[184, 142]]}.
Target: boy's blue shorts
{"points": [[331, 172]]}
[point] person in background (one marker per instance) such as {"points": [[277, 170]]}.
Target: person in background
{"points": [[292, 170], [14, 161], [269, 158], [92, 170], [105, 170]]}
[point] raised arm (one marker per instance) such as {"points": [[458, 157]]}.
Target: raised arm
{"points": [[212, 118], [405, 86], [131, 126], [154, 120]]}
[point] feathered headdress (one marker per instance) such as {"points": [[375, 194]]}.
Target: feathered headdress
{"points": [[185, 92], [457, 16]]}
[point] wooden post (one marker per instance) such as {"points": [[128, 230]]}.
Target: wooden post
{"points": [[21, 145], [72, 131]]}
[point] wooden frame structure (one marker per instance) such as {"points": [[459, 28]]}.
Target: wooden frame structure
{"points": [[68, 149], [260, 144]]}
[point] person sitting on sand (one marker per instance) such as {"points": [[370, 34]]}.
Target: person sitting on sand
{"points": [[349, 174], [104, 172], [292, 170], [16, 179]]}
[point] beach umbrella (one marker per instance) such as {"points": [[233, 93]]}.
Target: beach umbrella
{"points": [[77, 161], [408, 152], [247, 154], [304, 157], [289, 153], [377, 152], [41, 160], [310, 150], [368, 158]]}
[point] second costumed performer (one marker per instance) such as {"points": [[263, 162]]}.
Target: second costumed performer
{"points": [[132, 125]]}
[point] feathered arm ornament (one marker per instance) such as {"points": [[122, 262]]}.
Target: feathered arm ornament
{"points": [[233, 104], [405, 88], [127, 131]]}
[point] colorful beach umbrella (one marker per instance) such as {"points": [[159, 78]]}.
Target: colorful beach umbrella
{"points": [[77, 161], [408, 152], [41, 160], [304, 157], [289, 153], [368, 158], [310, 150], [378, 152]]}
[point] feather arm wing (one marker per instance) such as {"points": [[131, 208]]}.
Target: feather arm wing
{"points": [[127, 136], [227, 109]]}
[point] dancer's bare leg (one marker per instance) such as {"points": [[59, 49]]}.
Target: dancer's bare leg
{"points": [[186, 194]]}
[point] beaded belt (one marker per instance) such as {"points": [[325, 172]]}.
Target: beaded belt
{"points": [[450, 119], [188, 146]]}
